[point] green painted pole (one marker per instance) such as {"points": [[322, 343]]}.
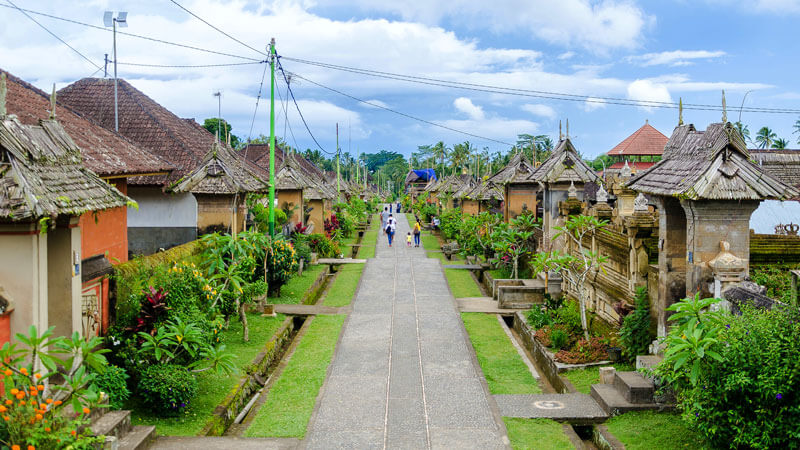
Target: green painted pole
{"points": [[338, 187], [272, 139]]}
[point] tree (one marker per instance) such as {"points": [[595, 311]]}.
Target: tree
{"points": [[797, 129], [744, 131], [765, 137], [780, 143], [602, 162], [212, 125], [459, 156], [440, 151]]}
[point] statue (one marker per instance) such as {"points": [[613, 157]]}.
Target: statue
{"points": [[572, 192], [602, 195], [625, 172], [640, 204]]}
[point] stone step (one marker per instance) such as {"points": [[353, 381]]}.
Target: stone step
{"points": [[139, 438], [634, 387], [613, 403], [112, 423]]}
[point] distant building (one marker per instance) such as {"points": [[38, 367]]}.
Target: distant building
{"points": [[418, 180], [641, 150]]}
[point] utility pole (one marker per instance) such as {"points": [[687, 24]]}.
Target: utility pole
{"points": [[271, 138], [338, 187], [110, 21], [218, 94], [105, 67]]}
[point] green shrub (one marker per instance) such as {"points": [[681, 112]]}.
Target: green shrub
{"points": [[569, 315], [281, 265], [167, 389], [323, 246], [635, 331], [303, 251], [538, 317], [114, 382], [558, 339]]}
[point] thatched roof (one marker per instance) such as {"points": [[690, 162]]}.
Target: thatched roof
{"points": [[222, 171], [181, 142], [517, 169], [564, 165], [781, 164], [317, 187], [486, 190], [709, 165], [465, 184], [42, 175], [103, 151]]}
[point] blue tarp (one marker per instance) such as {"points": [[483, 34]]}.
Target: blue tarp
{"points": [[426, 174]]}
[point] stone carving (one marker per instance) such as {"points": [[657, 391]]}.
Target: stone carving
{"points": [[602, 195], [640, 204], [789, 229], [625, 172], [727, 266], [572, 192]]}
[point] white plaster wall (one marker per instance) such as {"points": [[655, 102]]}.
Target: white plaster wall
{"points": [[157, 209]]}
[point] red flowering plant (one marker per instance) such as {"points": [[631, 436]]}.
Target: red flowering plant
{"points": [[37, 410], [332, 225]]}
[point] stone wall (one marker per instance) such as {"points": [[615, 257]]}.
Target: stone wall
{"points": [[774, 249]]}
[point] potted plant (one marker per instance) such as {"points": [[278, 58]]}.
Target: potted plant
{"points": [[613, 348]]}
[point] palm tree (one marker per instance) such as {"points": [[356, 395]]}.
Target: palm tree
{"points": [[544, 145], [765, 137], [459, 156], [797, 129], [780, 144], [440, 150], [744, 131]]}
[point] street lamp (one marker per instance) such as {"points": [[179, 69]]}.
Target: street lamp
{"points": [[110, 21]]}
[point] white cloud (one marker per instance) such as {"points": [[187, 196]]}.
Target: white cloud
{"points": [[675, 57], [500, 128], [593, 103], [374, 102], [466, 106], [566, 55], [539, 110], [763, 6], [648, 91]]}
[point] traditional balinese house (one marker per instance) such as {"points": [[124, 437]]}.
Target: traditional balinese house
{"points": [[44, 190], [417, 180], [461, 193], [705, 189], [162, 221], [484, 197], [562, 177], [518, 195], [641, 150], [220, 183], [104, 234]]}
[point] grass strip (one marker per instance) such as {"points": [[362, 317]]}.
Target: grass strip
{"points": [[582, 379], [502, 366], [211, 387], [650, 429], [344, 286], [538, 434], [461, 283], [290, 401], [429, 241], [296, 288]]}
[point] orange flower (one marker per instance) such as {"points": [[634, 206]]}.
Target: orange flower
{"points": [[38, 375], [30, 447], [73, 432], [40, 387], [20, 396], [47, 429], [8, 372], [14, 391], [15, 447], [39, 417], [58, 402], [3, 409], [86, 410], [23, 370], [22, 403], [43, 405], [6, 418], [9, 402], [49, 400]]}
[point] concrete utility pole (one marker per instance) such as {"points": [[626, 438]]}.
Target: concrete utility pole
{"points": [[110, 21], [218, 94], [272, 138]]}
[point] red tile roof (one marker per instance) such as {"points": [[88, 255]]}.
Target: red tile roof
{"points": [[182, 142], [104, 152], [644, 141]]}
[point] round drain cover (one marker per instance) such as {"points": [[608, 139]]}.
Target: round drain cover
{"points": [[548, 404]]}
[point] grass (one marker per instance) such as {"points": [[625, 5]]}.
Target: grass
{"points": [[343, 288], [539, 434], [502, 366], [296, 288], [211, 387], [462, 284], [582, 379], [290, 402], [650, 429], [429, 241]]}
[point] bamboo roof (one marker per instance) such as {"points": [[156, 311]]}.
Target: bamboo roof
{"points": [[564, 165], [316, 186], [486, 190], [782, 164], [709, 165], [222, 171], [42, 174], [517, 169], [464, 185]]}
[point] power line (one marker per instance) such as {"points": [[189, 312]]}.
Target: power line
{"points": [[533, 93], [280, 66], [185, 66], [285, 106], [402, 113], [53, 34], [212, 26], [138, 36], [258, 98]]}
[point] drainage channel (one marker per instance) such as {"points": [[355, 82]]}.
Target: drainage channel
{"points": [[587, 435]]}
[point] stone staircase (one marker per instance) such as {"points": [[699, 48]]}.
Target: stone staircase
{"points": [[119, 432], [629, 391]]}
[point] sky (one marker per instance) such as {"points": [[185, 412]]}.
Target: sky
{"points": [[659, 51]]}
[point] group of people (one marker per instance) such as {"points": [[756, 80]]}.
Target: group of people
{"points": [[389, 227]]}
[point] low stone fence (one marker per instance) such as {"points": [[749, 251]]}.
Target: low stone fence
{"points": [[774, 248], [225, 413]]}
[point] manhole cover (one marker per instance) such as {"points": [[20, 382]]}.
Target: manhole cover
{"points": [[548, 404]]}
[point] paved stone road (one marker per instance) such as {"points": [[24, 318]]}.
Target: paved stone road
{"points": [[404, 374]]}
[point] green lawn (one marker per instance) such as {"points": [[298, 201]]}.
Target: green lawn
{"points": [[650, 429], [429, 241], [582, 379], [538, 434], [211, 387], [502, 366], [343, 288], [291, 400], [296, 288], [461, 283]]}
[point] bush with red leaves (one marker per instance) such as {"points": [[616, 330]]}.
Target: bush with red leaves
{"points": [[584, 352], [154, 307]]}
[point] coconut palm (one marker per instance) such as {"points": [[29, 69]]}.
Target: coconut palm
{"points": [[744, 131], [780, 144], [460, 155], [797, 129], [765, 137], [440, 150]]}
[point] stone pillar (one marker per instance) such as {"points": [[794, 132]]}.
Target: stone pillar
{"points": [[727, 269], [671, 257]]}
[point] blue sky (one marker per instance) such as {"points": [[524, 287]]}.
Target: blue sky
{"points": [[645, 50]]}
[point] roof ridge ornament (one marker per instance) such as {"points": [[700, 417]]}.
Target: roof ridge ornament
{"points": [[572, 192], [3, 90], [680, 111], [724, 109], [567, 128], [560, 134], [601, 195], [625, 172]]}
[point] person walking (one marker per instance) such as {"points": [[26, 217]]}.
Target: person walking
{"points": [[417, 233], [384, 217], [391, 226], [390, 207]]}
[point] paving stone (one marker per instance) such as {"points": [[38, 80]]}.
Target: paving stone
{"points": [[457, 403], [333, 439], [352, 403], [572, 407], [445, 439]]}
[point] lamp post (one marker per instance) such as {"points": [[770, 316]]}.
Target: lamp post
{"points": [[110, 21]]}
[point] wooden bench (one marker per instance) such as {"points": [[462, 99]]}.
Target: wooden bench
{"points": [[334, 263]]}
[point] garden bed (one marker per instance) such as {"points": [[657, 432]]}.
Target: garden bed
{"points": [[545, 359]]}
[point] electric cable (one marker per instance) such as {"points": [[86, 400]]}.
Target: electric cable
{"points": [[186, 66], [212, 26], [53, 34], [278, 61]]}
